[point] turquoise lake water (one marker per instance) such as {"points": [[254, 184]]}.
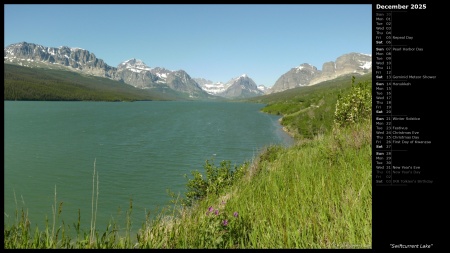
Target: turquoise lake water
{"points": [[140, 150]]}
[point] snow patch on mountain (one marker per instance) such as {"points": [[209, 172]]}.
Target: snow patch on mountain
{"points": [[134, 65]]}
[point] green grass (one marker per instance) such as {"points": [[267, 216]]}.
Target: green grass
{"points": [[314, 194]]}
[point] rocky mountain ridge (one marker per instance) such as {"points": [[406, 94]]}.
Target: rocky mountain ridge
{"points": [[133, 71], [136, 73], [306, 74]]}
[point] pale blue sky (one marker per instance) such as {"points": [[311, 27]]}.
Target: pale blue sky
{"points": [[212, 41]]}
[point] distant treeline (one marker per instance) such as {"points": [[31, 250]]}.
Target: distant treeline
{"points": [[36, 84]]}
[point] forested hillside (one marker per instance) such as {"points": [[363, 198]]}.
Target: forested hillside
{"points": [[22, 83], [308, 111]]}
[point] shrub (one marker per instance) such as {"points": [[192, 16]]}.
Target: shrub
{"points": [[356, 106], [217, 178]]}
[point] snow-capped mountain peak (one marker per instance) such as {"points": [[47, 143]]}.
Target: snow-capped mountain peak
{"points": [[243, 76], [134, 65], [305, 67]]}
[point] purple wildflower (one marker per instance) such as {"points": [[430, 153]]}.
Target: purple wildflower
{"points": [[216, 212], [210, 209], [235, 214], [225, 222]]}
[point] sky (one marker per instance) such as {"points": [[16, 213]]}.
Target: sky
{"points": [[217, 42]]}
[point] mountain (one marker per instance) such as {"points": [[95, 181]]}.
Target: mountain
{"points": [[306, 74], [133, 72], [238, 87], [241, 87], [296, 77], [76, 59], [178, 83]]}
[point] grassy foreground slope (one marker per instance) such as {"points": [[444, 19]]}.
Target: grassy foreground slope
{"points": [[314, 194]]}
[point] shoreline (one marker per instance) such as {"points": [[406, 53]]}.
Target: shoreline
{"points": [[286, 130]]}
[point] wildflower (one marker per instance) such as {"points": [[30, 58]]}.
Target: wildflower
{"points": [[210, 209], [216, 212], [225, 222], [235, 214]]}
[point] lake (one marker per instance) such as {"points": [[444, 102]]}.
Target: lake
{"points": [[140, 150]]}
